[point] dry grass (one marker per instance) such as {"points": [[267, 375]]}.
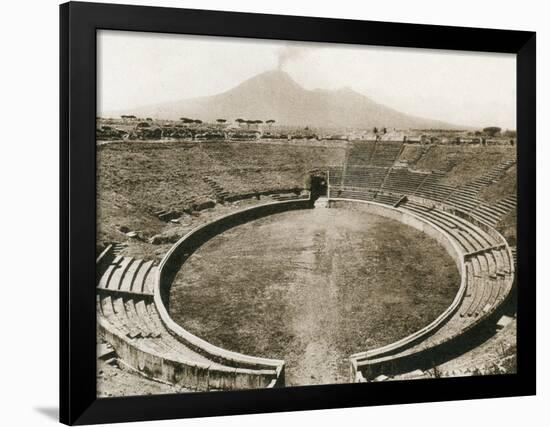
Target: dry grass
{"points": [[463, 163], [411, 154], [504, 187], [134, 179]]}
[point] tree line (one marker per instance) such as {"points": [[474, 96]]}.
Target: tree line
{"points": [[240, 121]]}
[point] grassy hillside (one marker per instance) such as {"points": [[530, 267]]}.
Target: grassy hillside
{"points": [[504, 187], [463, 163], [412, 153], [135, 179]]}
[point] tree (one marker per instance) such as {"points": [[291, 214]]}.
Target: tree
{"points": [[492, 130], [375, 130], [384, 130], [240, 121], [270, 121], [221, 121], [197, 121]]}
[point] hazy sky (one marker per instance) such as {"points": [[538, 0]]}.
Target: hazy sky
{"points": [[464, 88]]}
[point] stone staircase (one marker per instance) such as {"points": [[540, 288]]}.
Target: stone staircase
{"points": [[220, 193]]}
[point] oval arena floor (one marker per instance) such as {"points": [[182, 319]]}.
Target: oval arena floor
{"points": [[312, 287]]}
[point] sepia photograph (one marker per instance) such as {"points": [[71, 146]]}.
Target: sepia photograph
{"points": [[274, 213]]}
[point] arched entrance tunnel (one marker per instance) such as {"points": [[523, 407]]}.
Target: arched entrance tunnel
{"points": [[318, 185]]}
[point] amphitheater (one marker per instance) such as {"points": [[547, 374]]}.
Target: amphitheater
{"points": [[412, 184]]}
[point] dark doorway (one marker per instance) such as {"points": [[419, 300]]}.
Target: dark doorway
{"points": [[318, 186]]}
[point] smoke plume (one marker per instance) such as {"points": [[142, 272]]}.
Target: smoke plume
{"points": [[288, 54]]}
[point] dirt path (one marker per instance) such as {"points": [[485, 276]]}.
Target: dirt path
{"points": [[317, 288]]}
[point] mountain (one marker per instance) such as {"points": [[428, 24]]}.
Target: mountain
{"points": [[274, 95]]}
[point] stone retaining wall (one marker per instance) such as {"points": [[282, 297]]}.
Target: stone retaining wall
{"points": [[188, 375], [388, 356], [177, 255]]}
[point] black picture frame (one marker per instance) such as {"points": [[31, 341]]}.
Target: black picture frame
{"points": [[78, 25]]}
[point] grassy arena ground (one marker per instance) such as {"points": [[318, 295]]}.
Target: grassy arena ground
{"points": [[313, 287]]}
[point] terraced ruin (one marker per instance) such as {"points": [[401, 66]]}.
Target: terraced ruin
{"points": [[461, 204]]}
